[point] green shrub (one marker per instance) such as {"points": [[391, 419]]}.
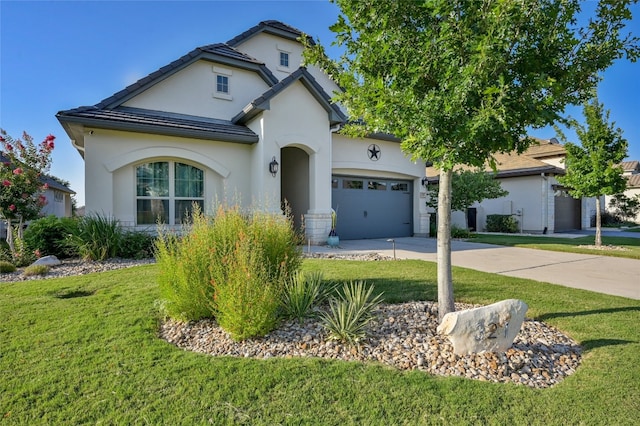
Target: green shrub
{"points": [[6, 267], [49, 234], [35, 270], [136, 245], [502, 223], [350, 312], [302, 292], [98, 237], [208, 253], [246, 302], [457, 232]]}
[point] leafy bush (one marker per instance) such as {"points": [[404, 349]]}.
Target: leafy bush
{"points": [[49, 234], [246, 302], [6, 267], [208, 257], [457, 232], [502, 223], [98, 237], [350, 312], [302, 292], [21, 255], [607, 218], [136, 245], [35, 270]]}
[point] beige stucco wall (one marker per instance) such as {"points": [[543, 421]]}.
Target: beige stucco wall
{"points": [[630, 192], [350, 158], [267, 48], [111, 158], [192, 91], [530, 200]]}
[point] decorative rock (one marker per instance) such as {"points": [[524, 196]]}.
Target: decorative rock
{"points": [[491, 328], [48, 261]]}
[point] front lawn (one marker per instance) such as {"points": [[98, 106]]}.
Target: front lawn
{"points": [[630, 245], [84, 350]]}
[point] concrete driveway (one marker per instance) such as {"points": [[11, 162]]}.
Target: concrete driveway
{"points": [[603, 274]]}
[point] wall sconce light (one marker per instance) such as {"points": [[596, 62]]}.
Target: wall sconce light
{"points": [[273, 167], [424, 181]]}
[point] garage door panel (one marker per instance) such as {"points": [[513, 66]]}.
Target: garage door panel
{"points": [[372, 208]]}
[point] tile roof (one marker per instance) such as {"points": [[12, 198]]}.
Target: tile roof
{"points": [[301, 74], [634, 181], [219, 52], [508, 165], [159, 122], [270, 27], [542, 148], [631, 166]]}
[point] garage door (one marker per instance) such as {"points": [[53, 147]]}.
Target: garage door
{"points": [[372, 208], [567, 213]]}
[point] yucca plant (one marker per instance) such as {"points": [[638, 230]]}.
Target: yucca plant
{"points": [[302, 291], [350, 312]]}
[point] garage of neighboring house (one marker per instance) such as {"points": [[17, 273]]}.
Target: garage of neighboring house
{"points": [[369, 207], [568, 212]]}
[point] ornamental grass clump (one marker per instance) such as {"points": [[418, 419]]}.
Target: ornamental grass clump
{"points": [[98, 237], [34, 270], [246, 301], [6, 267], [232, 266], [350, 312]]}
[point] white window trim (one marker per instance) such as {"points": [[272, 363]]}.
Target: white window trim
{"points": [[226, 72], [288, 51]]}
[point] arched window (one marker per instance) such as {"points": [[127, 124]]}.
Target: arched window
{"points": [[166, 191]]}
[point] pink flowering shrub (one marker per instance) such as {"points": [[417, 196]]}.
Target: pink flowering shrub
{"points": [[23, 163]]}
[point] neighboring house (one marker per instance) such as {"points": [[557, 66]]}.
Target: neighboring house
{"points": [[631, 171], [57, 196], [242, 121], [536, 199]]}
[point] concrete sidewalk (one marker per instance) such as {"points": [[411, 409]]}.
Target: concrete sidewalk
{"points": [[603, 274]]}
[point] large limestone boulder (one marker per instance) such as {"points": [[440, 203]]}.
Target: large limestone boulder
{"points": [[48, 261], [491, 328]]}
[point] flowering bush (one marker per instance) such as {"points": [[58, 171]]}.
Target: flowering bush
{"points": [[23, 162]]}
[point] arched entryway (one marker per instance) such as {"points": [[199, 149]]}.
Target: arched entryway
{"points": [[294, 182]]}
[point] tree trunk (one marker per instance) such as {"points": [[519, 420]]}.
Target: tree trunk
{"points": [[598, 223], [12, 248], [445, 283]]}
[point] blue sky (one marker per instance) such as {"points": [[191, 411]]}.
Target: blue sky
{"points": [[57, 55]]}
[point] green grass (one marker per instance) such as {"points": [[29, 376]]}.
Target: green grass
{"points": [[85, 350], [571, 245]]}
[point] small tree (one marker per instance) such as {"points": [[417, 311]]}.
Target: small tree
{"points": [[627, 207], [23, 164], [468, 187], [593, 169]]}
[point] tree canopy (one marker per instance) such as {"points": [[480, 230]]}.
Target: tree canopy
{"points": [[593, 168], [460, 80], [468, 187]]}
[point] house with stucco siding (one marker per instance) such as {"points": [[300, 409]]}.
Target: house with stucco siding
{"points": [[243, 121], [631, 172], [536, 199]]}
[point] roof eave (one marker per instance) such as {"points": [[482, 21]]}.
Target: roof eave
{"points": [[158, 130]]}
